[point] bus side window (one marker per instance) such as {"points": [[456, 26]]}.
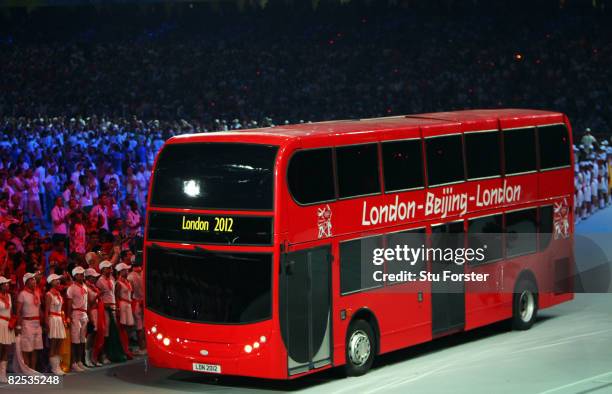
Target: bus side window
{"points": [[486, 233], [358, 170], [521, 229], [546, 226], [444, 159], [356, 267], [311, 176], [482, 154], [554, 146], [414, 239], [520, 150], [402, 165]]}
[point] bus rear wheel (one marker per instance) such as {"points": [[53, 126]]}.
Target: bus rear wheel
{"points": [[525, 305], [360, 348]]}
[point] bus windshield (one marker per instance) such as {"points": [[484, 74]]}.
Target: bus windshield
{"points": [[209, 287], [215, 176]]}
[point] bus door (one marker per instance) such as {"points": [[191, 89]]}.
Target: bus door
{"points": [[447, 297], [305, 308]]}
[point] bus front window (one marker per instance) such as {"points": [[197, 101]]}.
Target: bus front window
{"points": [[209, 287]]}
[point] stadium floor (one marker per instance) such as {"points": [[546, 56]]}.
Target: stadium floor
{"points": [[567, 351]]}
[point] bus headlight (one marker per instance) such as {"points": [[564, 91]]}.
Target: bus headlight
{"points": [[191, 188], [159, 336], [262, 339], [256, 345], [166, 341], [248, 348]]}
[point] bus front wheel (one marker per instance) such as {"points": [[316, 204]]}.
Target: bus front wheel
{"points": [[360, 348], [525, 305]]}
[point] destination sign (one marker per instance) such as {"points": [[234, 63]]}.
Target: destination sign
{"points": [[210, 229]]}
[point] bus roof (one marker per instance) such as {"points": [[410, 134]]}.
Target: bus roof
{"points": [[430, 123]]}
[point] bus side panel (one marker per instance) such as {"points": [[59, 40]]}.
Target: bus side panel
{"points": [[402, 320], [411, 322], [482, 306], [552, 269], [559, 261], [556, 183]]}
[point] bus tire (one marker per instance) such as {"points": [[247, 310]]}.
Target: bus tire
{"points": [[524, 305], [360, 348]]}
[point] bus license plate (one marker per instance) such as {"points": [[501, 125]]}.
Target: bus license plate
{"points": [[211, 368]]}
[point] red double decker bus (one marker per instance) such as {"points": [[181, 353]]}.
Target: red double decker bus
{"points": [[255, 239]]}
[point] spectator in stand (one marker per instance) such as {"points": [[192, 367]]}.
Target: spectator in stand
{"points": [[58, 259], [59, 217], [7, 265], [3, 209], [76, 175], [134, 220], [88, 194], [142, 182], [127, 258], [16, 236], [78, 235], [99, 213], [51, 188], [69, 191], [40, 174]]}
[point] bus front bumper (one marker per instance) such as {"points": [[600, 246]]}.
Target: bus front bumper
{"points": [[253, 350]]}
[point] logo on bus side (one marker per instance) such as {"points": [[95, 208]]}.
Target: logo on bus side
{"points": [[561, 219], [324, 221], [444, 203]]}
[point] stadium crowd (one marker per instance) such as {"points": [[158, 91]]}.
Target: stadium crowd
{"points": [[83, 117], [72, 197], [218, 71]]}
